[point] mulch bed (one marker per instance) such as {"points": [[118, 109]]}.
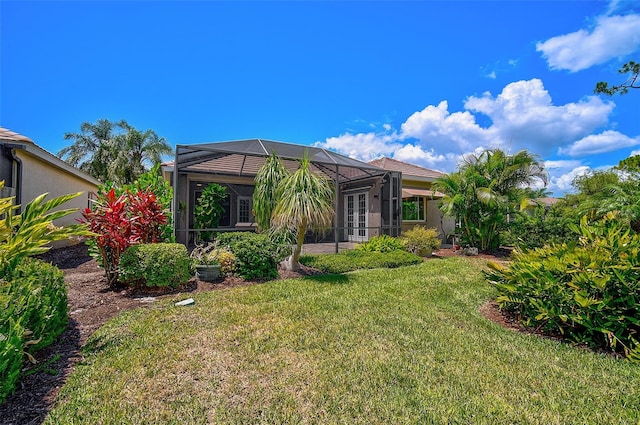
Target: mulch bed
{"points": [[91, 304]]}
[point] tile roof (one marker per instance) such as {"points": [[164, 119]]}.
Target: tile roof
{"points": [[6, 134], [406, 168]]}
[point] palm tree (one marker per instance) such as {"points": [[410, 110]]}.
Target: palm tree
{"points": [[91, 148], [137, 152], [305, 202], [114, 151], [484, 189], [270, 175]]}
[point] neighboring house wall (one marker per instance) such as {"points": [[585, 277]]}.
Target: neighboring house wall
{"points": [[430, 216], [435, 218], [40, 177], [29, 171]]}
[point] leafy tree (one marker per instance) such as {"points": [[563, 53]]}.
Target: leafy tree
{"points": [[600, 192], [91, 149], [631, 164], [114, 151], [208, 210], [485, 189], [136, 150], [265, 198], [305, 202], [632, 82]]}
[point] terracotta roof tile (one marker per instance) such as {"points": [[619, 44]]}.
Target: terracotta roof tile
{"points": [[6, 134], [405, 168]]}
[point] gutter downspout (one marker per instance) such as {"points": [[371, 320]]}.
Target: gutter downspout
{"points": [[18, 185]]}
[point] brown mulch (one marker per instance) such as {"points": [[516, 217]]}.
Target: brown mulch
{"points": [[91, 304]]}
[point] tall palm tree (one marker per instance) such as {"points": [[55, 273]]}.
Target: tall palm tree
{"points": [[137, 152], [485, 188], [114, 151], [305, 202], [270, 175], [91, 149]]}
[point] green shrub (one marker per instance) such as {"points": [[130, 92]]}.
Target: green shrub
{"points": [[155, 265], [382, 243], [31, 232], [208, 209], [538, 229], [256, 256], [350, 260], [33, 312], [420, 239], [585, 290]]}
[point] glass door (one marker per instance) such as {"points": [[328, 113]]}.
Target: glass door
{"points": [[356, 217]]}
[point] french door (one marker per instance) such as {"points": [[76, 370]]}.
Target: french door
{"points": [[356, 206]]}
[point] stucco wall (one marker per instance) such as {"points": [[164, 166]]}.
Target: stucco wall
{"points": [[435, 218], [39, 177]]}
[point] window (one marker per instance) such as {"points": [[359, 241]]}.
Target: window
{"points": [[245, 204], [413, 208]]}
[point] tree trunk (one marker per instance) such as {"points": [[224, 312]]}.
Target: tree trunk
{"points": [[294, 264]]}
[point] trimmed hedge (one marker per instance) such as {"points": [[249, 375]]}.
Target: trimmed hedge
{"points": [[257, 257], [155, 265], [33, 312], [350, 260]]}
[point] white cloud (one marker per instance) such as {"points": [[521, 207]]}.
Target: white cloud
{"points": [[522, 116], [606, 141], [437, 127], [426, 158], [363, 146], [611, 37], [634, 153], [561, 164], [563, 182]]}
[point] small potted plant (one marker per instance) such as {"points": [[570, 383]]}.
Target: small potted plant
{"points": [[422, 241], [205, 260]]}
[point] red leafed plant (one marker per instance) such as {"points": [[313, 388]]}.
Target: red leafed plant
{"points": [[122, 221], [147, 216]]}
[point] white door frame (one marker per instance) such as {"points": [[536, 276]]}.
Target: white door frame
{"points": [[356, 216]]}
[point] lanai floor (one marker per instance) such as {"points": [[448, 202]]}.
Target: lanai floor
{"points": [[326, 248]]}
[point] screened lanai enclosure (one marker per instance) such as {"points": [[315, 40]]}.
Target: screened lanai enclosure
{"points": [[367, 198]]}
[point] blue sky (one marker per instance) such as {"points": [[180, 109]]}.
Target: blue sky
{"points": [[423, 82]]}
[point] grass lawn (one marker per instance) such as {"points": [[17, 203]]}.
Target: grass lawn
{"points": [[399, 346]]}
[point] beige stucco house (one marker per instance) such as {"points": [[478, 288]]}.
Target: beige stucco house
{"points": [[29, 171], [419, 201]]}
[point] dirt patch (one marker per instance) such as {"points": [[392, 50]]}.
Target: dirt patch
{"points": [[91, 304], [500, 255]]}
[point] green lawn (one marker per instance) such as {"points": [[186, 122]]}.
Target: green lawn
{"points": [[398, 346]]}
